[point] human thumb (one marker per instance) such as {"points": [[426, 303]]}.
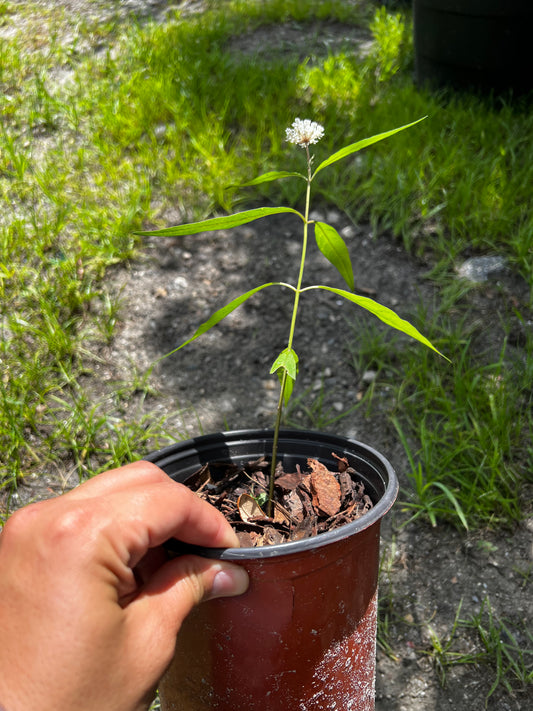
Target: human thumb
{"points": [[184, 582], [155, 615]]}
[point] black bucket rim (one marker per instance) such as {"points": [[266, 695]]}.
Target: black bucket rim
{"points": [[364, 453]]}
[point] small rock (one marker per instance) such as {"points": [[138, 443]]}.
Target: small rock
{"points": [[316, 216], [181, 282], [349, 231], [369, 376], [333, 217], [480, 269], [160, 131]]}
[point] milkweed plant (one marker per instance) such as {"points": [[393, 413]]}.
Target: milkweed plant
{"points": [[302, 133]]}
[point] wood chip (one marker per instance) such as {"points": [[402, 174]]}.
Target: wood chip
{"points": [[347, 487], [303, 530], [280, 515], [289, 481], [271, 536], [245, 539], [325, 487], [293, 503], [342, 462]]}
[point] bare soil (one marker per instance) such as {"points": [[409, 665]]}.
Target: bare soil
{"points": [[222, 382]]}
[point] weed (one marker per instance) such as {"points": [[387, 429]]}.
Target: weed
{"points": [[466, 422], [504, 647], [441, 648]]}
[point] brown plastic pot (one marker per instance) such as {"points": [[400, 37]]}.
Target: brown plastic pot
{"points": [[303, 636]]}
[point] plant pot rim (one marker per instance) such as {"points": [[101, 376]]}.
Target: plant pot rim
{"points": [[364, 452]]}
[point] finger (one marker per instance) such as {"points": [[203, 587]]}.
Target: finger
{"points": [[183, 583], [120, 479], [145, 517], [149, 564]]}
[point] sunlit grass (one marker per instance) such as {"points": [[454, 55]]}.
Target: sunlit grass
{"points": [[504, 647], [102, 132], [466, 426]]}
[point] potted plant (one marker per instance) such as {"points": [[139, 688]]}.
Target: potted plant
{"points": [[303, 636]]}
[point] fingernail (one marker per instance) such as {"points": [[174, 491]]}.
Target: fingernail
{"points": [[229, 581]]}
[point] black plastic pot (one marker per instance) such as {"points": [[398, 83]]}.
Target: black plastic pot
{"points": [[474, 44], [303, 636]]}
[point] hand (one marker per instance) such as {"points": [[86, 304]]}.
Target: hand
{"points": [[90, 606]]}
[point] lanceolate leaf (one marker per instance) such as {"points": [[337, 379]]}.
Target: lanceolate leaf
{"points": [[219, 223], [332, 246], [354, 147], [269, 177], [385, 314], [221, 314]]}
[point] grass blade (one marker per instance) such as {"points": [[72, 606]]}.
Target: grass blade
{"points": [[457, 506]]}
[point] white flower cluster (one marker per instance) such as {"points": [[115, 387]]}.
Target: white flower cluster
{"points": [[304, 132]]}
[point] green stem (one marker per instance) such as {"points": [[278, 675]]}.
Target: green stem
{"points": [[283, 385]]}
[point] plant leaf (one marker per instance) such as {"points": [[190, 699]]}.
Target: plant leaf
{"points": [[269, 177], [333, 247], [385, 314], [218, 223], [286, 362], [354, 147], [289, 387], [221, 314], [249, 508]]}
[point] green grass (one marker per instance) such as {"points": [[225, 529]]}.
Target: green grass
{"points": [[466, 427], [495, 644], [97, 144]]}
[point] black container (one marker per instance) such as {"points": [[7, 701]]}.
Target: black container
{"points": [[484, 45], [182, 459]]}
